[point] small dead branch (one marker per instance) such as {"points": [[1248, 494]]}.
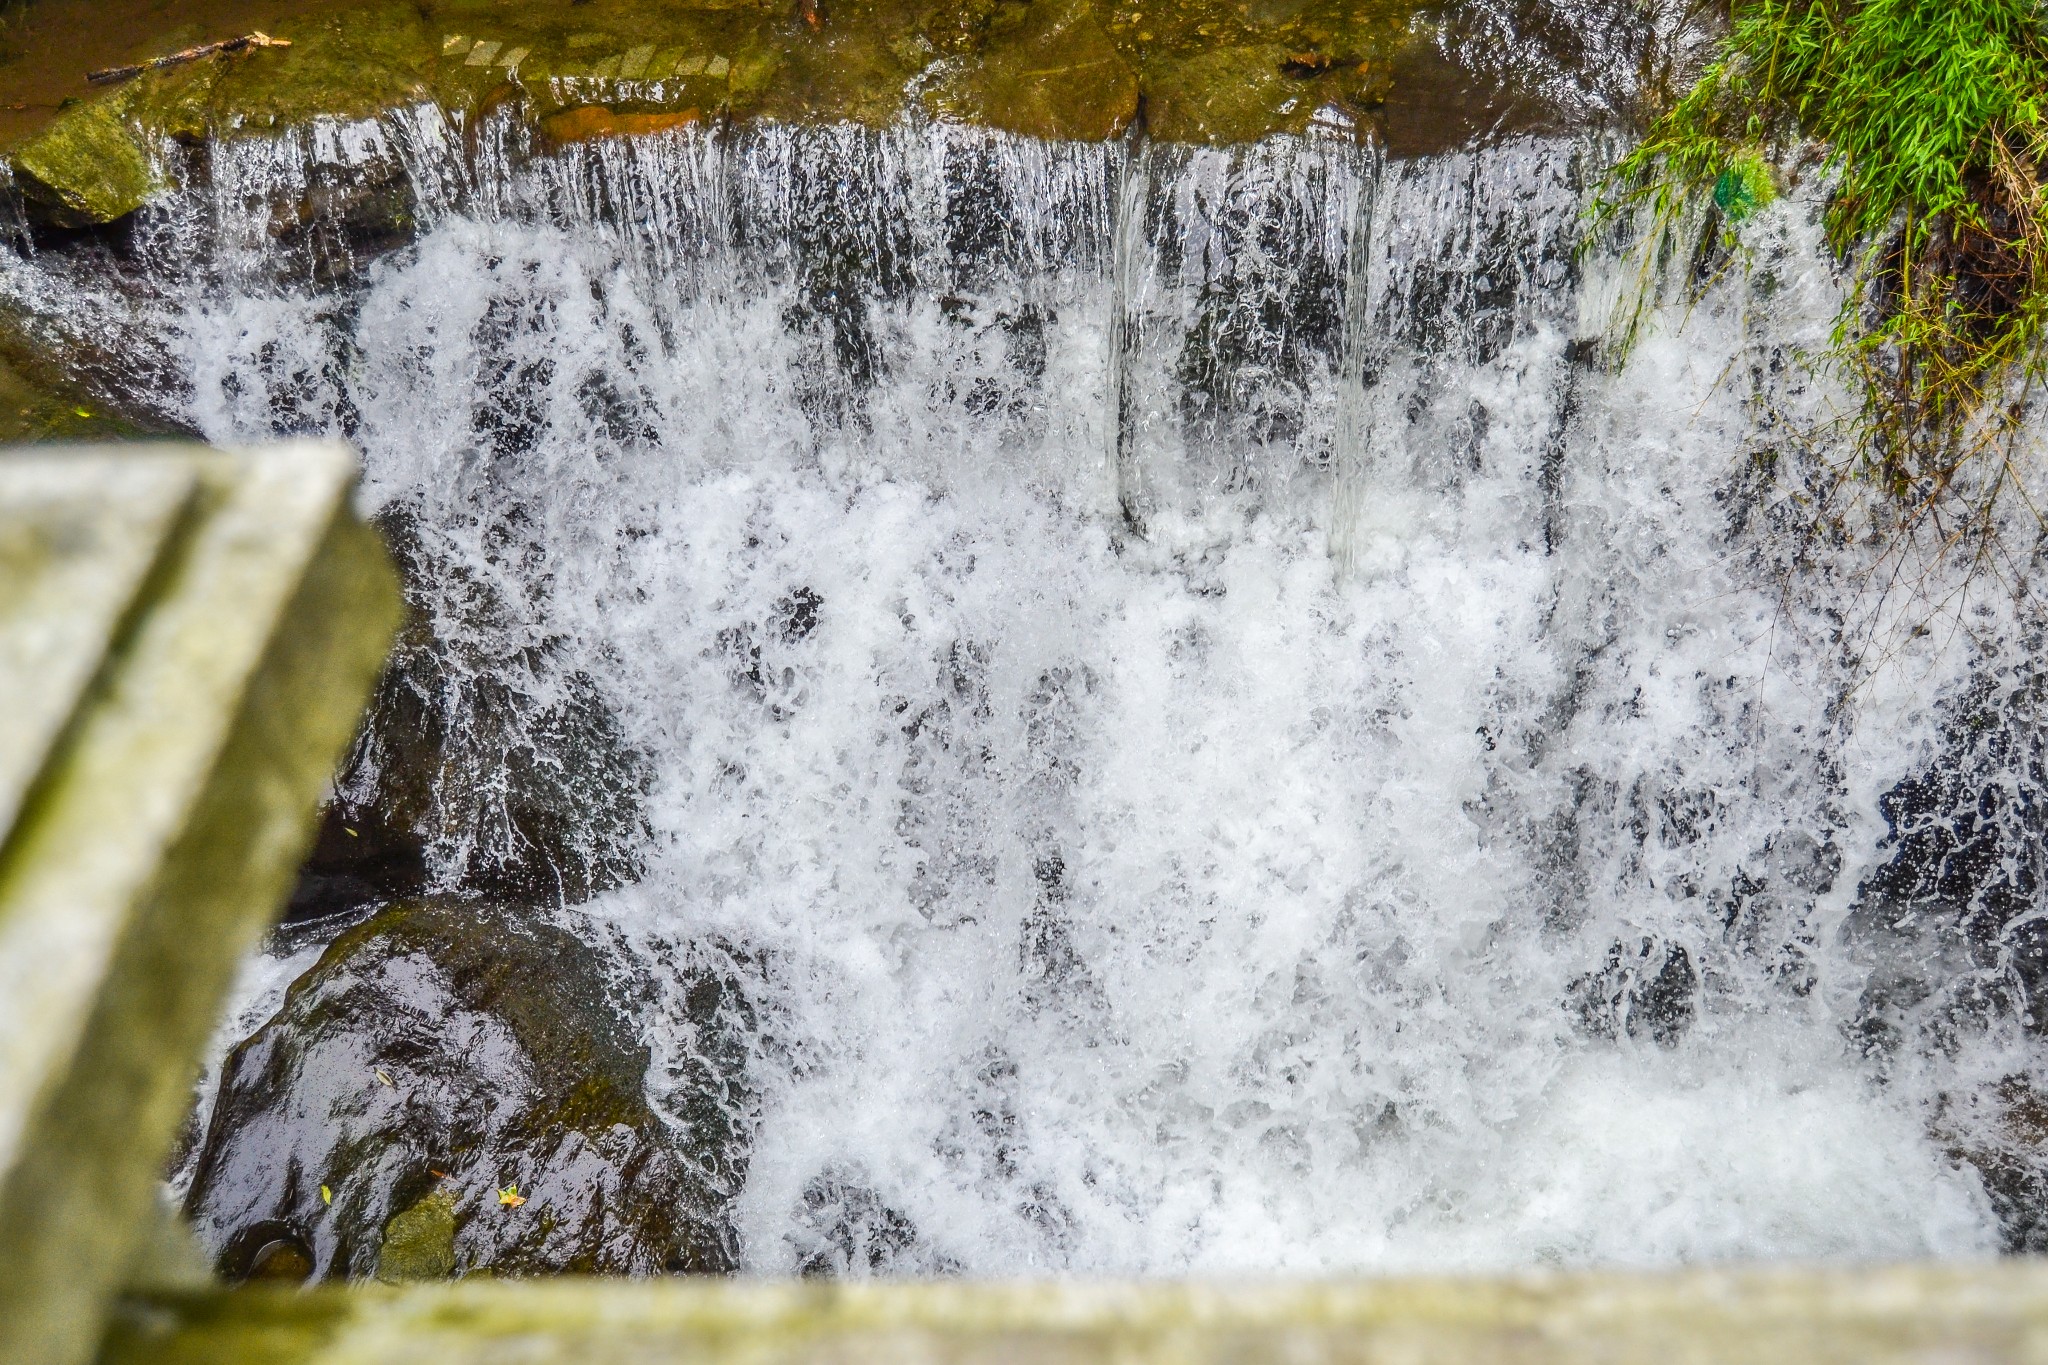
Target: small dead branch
{"points": [[108, 75]]}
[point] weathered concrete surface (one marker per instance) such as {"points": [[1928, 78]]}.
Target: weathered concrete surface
{"points": [[77, 538], [1976, 1314], [158, 838]]}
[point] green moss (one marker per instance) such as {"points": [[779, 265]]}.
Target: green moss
{"points": [[40, 401], [87, 167], [1936, 124], [419, 1243], [349, 65]]}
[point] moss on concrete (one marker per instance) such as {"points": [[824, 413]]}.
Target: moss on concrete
{"points": [[158, 841], [1870, 1316]]}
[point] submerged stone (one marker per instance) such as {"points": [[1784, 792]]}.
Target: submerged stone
{"points": [[88, 167], [351, 65], [1052, 72], [595, 121], [1226, 95], [438, 1054], [1208, 70]]}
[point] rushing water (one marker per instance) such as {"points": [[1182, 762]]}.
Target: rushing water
{"points": [[1217, 733]]}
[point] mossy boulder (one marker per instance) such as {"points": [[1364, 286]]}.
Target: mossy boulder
{"points": [[454, 1088], [90, 166]]}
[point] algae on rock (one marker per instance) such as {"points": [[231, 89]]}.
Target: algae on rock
{"points": [[1208, 71], [354, 64], [419, 1244], [1225, 94], [86, 168]]}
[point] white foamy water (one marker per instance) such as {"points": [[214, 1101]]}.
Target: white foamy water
{"points": [[1213, 736]]}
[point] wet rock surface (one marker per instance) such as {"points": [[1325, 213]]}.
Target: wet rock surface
{"points": [[84, 169], [1952, 930], [453, 1089], [474, 769]]}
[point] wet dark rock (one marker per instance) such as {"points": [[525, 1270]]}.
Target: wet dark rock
{"points": [[342, 218], [2002, 1132], [1950, 932], [470, 769], [452, 1088], [846, 1230], [1948, 923], [1650, 990], [280, 1257]]}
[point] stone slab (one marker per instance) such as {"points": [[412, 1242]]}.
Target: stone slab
{"points": [[1957, 1315], [156, 843]]}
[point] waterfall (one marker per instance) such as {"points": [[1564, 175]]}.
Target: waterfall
{"points": [[1213, 726]]}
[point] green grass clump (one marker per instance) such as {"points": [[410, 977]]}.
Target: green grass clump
{"points": [[1932, 115]]}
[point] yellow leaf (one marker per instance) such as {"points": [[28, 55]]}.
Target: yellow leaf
{"points": [[382, 1077], [510, 1197], [326, 1195]]}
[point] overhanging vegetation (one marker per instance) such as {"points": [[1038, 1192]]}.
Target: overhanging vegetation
{"points": [[1934, 117]]}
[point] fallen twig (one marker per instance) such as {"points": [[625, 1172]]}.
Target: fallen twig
{"points": [[190, 54]]}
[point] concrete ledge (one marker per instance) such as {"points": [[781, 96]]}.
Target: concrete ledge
{"points": [[1949, 1314], [227, 616]]}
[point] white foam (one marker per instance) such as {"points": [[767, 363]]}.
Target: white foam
{"points": [[1192, 899]]}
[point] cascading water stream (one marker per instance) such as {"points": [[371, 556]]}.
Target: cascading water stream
{"points": [[1207, 731]]}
